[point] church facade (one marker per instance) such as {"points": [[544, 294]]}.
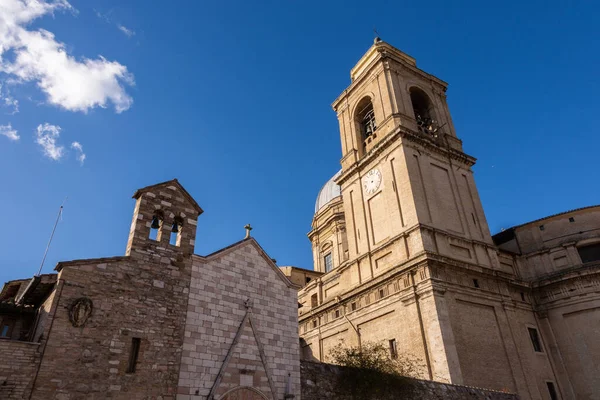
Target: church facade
{"points": [[158, 323], [403, 254]]}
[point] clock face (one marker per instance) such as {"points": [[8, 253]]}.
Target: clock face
{"points": [[371, 181]]}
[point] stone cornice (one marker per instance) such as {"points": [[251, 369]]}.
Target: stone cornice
{"points": [[568, 274], [386, 52], [418, 138]]}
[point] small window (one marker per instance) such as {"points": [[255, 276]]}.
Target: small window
{"points": [[542, 227], [314, 323], [353, 306], [393, 349], [571, 219], [535, 340], [314, 300], [6, 328], [381, 294], [552, 391], [337, 313], [522, 296], [328, 262], [475, 283], [589, 253], [133, 355], [308, 279]]}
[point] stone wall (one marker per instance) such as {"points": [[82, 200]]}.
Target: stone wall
{"points": [[131, 298], [318, 383], [17, 368], [266, 354]]}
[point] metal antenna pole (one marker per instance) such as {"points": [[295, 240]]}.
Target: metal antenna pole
{"points": [[51, 236]]}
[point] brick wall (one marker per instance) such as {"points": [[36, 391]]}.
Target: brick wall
{"points": [[319, 383], [18, 362]]}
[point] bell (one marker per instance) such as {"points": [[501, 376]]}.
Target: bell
{"points": [[175, 228], [155, 223]]}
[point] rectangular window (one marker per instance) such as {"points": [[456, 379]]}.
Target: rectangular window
{"points": [[328, 262], [353, 306], [552, 391], [4, 331], [314, 323], [589, 253], [6, 328], [337, 313], [393, 349], [535, 340], [475, 283], [133, 355], [381, 293]]}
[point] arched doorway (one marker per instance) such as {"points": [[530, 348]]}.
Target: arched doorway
{"points": [[244, 393]]}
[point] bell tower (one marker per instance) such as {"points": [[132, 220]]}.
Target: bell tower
{"points": [[406, 182], [164, 221]]}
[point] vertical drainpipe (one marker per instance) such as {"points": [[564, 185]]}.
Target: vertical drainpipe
{"points": [[338, 298]]}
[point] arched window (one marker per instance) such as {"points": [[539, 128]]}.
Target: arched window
{"points": [[365, 119], [156, 225], [175, 238], [424, 112]]}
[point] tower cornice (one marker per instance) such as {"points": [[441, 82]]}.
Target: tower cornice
{"points": [[441, 145]]}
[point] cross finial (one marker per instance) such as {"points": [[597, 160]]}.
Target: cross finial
{"points": [[377, 38], [248, 228]]}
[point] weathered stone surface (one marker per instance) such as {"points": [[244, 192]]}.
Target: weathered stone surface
{"points": [[18, 361], [318, 383]]}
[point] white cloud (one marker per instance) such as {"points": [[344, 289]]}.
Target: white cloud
{"points": [[46, 136], [79, 149], [6, 100], [70, 83], [9, 132], [126, 31], [110, 20]]}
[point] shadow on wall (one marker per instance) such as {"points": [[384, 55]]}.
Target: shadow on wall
{"points": [[331, 382], [306, 353]]}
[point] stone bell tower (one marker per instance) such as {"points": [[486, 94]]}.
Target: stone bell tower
{"points": [[164, 220], [417, 270], [405, 180]]}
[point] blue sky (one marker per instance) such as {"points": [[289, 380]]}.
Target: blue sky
{"points": [[233, 98]]}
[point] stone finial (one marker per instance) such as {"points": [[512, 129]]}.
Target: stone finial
{"points": [[248, 228]]}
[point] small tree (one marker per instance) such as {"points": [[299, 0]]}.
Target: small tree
{"points": [[369, 373]]}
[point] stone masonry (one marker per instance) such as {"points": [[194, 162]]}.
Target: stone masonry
{"points": [[158, 323], [318, 383]]}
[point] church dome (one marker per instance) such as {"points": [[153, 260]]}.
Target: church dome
{"points": [[328, 192]]}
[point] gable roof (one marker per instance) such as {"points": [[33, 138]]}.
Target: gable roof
{"points": [[261, 251], [175, 182]]}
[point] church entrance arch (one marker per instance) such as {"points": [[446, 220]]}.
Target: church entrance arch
{"points": [[244, 393]]}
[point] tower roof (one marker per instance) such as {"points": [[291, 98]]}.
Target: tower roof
{"points": [[328, 192], [172, 182]]}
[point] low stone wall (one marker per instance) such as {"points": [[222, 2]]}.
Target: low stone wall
{"points": [[18, 362], [319, 383]]}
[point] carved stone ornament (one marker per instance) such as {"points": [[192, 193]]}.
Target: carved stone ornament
{"points": [[80, 311]]}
